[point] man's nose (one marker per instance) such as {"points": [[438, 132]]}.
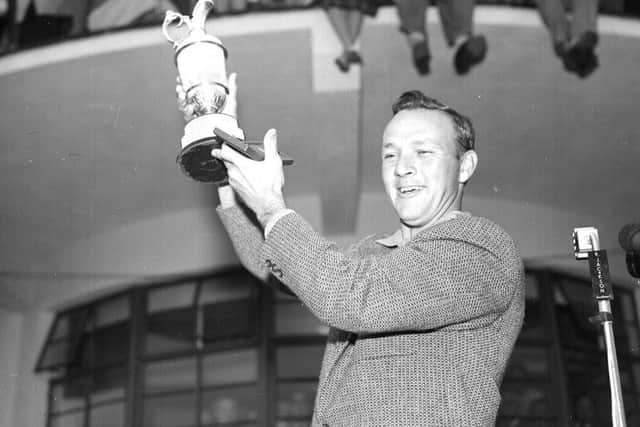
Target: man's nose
{"points": [[405, 166]]}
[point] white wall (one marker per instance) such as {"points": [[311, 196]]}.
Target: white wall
{"points": [[23, 395], [10, 339]]}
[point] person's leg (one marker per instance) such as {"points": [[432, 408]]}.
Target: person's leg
{"points": [[554, 17], [338, 18], [456, 18], [585, 17], [339, 22], [355, 19], [412, 14]]}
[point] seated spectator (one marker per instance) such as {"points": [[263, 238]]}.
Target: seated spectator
{"points": [[456, 17], [346, 17], [572, 27], [121, 13]]}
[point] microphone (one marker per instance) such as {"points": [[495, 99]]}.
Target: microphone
{"points": [[629, 238]]}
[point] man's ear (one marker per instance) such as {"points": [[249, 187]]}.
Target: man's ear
{"points": [[468, 163]]}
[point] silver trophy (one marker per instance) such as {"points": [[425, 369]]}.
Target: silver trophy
{"points": [[201, 62]]}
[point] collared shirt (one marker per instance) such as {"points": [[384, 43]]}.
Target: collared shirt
{"points": [[395, 240], [272, 221]]}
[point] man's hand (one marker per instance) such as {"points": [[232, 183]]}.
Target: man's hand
{"points": [[259, 184]]}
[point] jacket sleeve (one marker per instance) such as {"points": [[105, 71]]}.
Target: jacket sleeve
{"points": [[430, 283], [247, 239]]}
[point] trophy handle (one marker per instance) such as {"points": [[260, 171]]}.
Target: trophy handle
{"points": [[172, 17]]}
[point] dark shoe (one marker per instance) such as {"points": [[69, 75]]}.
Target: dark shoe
{"points": [[580, 58], [421, 58], [560, 49], [353, 56], [342, 63], [470, 53]]}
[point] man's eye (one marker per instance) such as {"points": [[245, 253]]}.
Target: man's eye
{"points": [[424, 152], [388, 155]]}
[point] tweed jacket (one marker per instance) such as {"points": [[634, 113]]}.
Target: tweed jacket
{"points": [[420, 333]]}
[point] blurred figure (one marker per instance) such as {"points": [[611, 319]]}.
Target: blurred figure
{"points": [[456, 17], [572, 27], [346, 17], [109, 14]]}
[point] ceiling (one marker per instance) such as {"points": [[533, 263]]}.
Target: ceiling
{"points": [[89, 132]]}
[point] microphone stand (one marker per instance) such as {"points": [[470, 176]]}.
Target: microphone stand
{"points": [[603, 294]]}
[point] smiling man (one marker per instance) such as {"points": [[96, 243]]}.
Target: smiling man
{"points": [[423, 321]]}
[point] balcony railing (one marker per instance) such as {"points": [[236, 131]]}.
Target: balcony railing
{"points": [[30, 23]]}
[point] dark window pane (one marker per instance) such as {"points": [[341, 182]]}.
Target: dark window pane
{"points": [[75, 419], [109, 384], [105, 346], [77, 387], [170, 297], [230, 367], [111, 415], [61, 347], [299, 361], [170, 411], [56, 354], [293, 318], [170, 331], [627, 305], [296, 400], [525, 422], [175, 374], [227, 288], [532, 289], [635, 369], [62, 400], [112, 311], [228, 320], [235, 405], [525, 399], [632, 339], [61, 327], [528, 362], [534, 325]]}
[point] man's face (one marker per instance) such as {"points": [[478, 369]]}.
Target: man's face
{"points": [[420, 169]]}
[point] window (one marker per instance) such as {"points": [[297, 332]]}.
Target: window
{"points": [[91, 346], [225, 350]]}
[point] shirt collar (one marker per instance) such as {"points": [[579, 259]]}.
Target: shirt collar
{"points": [[395, 239]]}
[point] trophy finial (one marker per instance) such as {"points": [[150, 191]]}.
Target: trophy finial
{"points": [[200, 12]]}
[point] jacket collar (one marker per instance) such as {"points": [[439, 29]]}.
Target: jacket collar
{"points": [[395, 240]]}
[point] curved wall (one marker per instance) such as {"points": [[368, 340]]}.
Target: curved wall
{"points": [[93, 201]]}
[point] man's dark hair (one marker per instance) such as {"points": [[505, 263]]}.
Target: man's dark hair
{"points": [[414, 100]]}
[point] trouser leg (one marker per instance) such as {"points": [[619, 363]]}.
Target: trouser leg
{"points": [[456, 18], [585, 16], [554, 17], [412, 14]]}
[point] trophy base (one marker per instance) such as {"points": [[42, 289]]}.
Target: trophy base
{"points": [[196, 162]]}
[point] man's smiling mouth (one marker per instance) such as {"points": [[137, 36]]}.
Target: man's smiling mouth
{"points": [[409, 190]]}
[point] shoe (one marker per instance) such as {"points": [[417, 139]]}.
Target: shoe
{"points": [[469, 54], [560, 49], [354, 57], [421, 58], [342, 63], [580, 57]]}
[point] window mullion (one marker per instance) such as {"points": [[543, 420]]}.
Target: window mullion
{"points": [[558, 375]]}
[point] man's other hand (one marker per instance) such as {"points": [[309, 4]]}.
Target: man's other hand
{"points": [[258, 183]]}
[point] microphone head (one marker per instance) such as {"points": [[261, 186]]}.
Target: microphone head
{"points": [[629, 237]]}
